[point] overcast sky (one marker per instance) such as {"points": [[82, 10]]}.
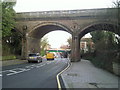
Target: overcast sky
{"points": [[47, 5], [56, 39]]}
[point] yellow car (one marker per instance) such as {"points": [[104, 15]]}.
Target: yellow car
{"points": [[50, 56]]}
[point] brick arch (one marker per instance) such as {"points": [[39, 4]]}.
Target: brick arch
{"points": [[100, 26], [41, 29]]}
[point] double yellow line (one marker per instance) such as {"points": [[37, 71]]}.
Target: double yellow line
{"points": [[58, 81]]}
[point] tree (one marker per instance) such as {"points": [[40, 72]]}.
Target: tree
{"points": [[103, 40], [97, 36], [16, 44], [116, 4], [8, 18], [118, 42], [69, 40], [11, 39], [43, 45]]}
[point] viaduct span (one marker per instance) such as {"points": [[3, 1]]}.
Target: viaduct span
{"points": [[34, 25]]}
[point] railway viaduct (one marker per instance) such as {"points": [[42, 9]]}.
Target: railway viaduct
{"points": [[34, 25]]}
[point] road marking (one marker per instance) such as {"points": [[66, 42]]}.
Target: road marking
{"points": [[43, 64], [0, 74], [26, 68], [38, 66], [12, 71], [4, 71], [58, 81], [23, 70]]}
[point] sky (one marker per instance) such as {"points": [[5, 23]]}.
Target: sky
{"points": [[47, 5], [58, 38]]}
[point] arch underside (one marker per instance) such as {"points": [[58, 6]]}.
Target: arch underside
{"points": [[36, 34], [98, 27], [42, 30]]}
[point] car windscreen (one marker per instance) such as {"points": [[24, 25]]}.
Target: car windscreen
{"points": [[32, 55]]}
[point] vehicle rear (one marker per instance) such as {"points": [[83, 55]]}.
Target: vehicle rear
{"points": [[34, 57], [50, 56]]}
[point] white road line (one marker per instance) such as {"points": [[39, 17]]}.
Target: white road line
{"points": [[48, 62], [18, 72], [38, 66], [41, 65], [0, 74], [15, 69], [23, 69], [44, 64], [30, 66], [4, 71], [12, 71]]}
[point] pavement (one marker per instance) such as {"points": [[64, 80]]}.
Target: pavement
{"points": [[84, 74]]}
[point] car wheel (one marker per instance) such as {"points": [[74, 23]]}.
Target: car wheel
{"points": [[41, 60], [29, 61], [38, 61]]}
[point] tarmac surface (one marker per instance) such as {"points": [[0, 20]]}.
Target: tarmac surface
{"points": [[38, 76], [84, 74]]}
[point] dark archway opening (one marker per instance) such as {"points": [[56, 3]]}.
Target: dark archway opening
{"points": [[106, 39]]}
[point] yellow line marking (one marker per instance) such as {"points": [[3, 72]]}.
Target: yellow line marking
{"points": [[58, 81]]}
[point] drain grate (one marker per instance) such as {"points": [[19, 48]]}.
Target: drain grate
{"points": [[94, 84], [72, 74]]}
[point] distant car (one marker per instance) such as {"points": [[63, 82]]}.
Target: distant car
{"points": [[34, 57], [50, 56]]}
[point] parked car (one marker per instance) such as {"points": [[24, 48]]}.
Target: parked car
{"points": [[50, 56], [34, 57]]}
